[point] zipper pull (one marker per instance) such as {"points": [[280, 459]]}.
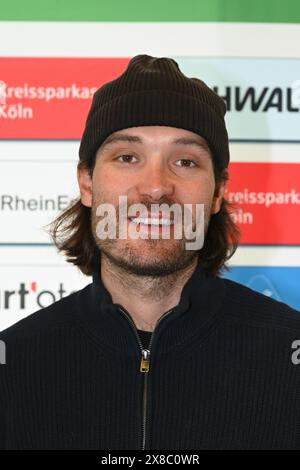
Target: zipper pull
{"points": [[145, 361]]}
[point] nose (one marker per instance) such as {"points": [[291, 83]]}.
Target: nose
{"points": [[155, 183]]}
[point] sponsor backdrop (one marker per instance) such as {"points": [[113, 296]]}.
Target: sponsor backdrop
{"points": [[55, 54]]}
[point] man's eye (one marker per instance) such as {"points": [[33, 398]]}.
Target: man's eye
{"points": [[187, 163], [125, 158]]}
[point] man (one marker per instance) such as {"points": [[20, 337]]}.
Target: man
{"points": [[158, 352]]}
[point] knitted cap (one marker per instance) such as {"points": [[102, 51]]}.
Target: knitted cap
{"points": [[153, 91]]}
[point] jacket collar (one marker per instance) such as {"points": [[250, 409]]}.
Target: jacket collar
{"points": [[199, 304]]}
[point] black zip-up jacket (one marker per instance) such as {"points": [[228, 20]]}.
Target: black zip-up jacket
{"points": [[221, 371]]}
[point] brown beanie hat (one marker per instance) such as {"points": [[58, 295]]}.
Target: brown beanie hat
{"points": [[152, 91]]}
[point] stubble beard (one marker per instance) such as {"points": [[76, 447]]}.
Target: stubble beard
{"points": [[149, 257]]}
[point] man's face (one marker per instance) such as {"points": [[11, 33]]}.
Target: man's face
{"points": [[151, 165]]}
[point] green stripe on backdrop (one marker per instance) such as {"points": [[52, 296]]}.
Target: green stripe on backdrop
{"points": [[269, 11]]}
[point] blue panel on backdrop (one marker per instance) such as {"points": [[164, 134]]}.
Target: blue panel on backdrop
{"points": [[280, 283]]}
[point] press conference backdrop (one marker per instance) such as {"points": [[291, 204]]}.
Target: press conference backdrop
{"points": [[55, 54]]}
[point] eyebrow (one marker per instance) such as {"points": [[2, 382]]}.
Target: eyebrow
{"points": [[134, 139]]}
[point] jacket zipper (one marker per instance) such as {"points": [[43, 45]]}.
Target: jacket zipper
{"points": [[144, 366]]}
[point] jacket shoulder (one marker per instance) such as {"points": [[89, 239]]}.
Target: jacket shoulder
{"points": [[249, 305], [58, 314]]}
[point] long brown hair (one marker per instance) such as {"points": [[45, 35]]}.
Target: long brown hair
{"points": [[71, 232]]}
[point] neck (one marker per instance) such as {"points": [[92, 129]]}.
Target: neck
{"points": [[145, 298]]}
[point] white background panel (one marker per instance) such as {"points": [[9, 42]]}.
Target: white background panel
{"points": [[96, 39], [24, 182], [40, 271]]}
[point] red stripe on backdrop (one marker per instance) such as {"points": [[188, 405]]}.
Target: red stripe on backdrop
{"points": [[49, 98], [267, 198]]}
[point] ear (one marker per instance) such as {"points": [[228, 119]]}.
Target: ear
{"points": [[218, 196], [85, 185]]}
